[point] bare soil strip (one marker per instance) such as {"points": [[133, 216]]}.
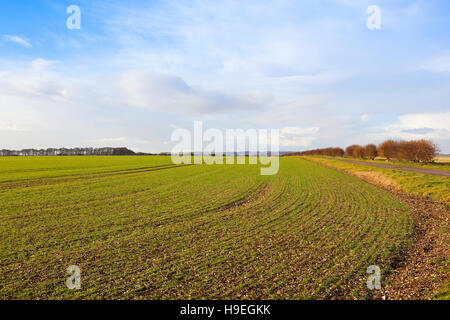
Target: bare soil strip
{"points": [[420, 273], [423, 271], [7, 185], [391, 166]]}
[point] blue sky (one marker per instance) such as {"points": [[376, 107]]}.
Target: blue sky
{"points": [[138, 69]]}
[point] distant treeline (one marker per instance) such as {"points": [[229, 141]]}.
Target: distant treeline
{"points": [[67, 152], [332, 152], [112, 152], [414, 150]]}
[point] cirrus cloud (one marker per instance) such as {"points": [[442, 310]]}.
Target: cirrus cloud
{"points": [[19, 40]]}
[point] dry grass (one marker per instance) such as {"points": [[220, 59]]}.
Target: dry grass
{"points": [[377, 178], [443, 159]]}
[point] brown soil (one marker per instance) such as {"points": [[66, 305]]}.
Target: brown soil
{"points": [[423, 269]]}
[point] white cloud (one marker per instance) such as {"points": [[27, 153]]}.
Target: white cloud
{"points": [[432, 126], [111, 140], [173, 95], [17, 119], [309, 110], [119, 141], [27, 83], [41, 64], [135, 89], [12, 127], [297, 136], [18, 40], [249, 63], [438, 64], [437, 121]]}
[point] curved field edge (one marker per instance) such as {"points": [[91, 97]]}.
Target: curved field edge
{"points": [[423, 185], [424, 273], [217, 232]]}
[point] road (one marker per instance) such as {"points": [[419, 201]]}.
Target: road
{"points": [[390, 166]]}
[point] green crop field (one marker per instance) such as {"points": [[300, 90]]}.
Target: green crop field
{"points": [[142, 228], [424, 185]]}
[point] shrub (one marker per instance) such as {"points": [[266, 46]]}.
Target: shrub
{"points": [[354, 151], [370, 151], [349, 151], [358, 152], [414, 150], [388, 149], [423, 150]]}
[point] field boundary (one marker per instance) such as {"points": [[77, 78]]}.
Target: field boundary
{"points": [[424, 268], [393, 166]]}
